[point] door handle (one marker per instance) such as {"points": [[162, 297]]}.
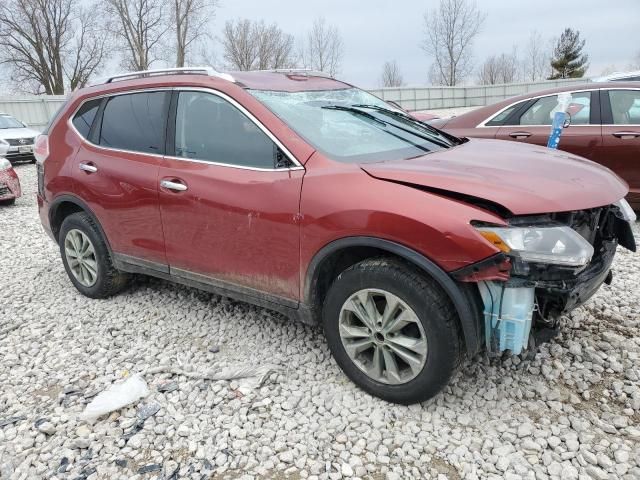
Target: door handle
{"points": [[626, 135], [88, 167], [519, 134], [177, 186]]}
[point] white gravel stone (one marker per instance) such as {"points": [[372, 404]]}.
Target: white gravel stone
{"points": [[569, 410]]}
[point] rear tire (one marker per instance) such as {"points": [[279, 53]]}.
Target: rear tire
{"points": [[86, 258], [412, 348]]}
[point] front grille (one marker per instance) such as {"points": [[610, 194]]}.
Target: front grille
{"points": [[17, 142], [14, 157]]}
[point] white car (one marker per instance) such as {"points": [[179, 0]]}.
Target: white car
{"points": [[620, 77], [18, 138]]}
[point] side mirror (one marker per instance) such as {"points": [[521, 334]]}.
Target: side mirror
{"points": [[567, 120]]}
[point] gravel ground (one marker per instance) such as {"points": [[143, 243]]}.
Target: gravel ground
{"points": [[573, 411]]}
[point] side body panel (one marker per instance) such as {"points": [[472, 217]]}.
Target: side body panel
{"points": [[236, 225], [340, 200], [582, 140], [123, 194]]}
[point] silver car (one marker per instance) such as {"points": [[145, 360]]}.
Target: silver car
{"points": [[18, 138]]}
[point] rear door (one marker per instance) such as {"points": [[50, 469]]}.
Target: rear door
{"points": [[116, 169], [621, 137], [533, 124], [229, 197]]}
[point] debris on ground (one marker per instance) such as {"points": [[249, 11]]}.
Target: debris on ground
{"points": [[115, 397]]}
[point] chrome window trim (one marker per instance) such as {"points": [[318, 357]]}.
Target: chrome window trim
{"points": [[483, 124], [249, 115]]}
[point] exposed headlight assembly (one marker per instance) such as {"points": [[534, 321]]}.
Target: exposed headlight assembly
{"points": [[556, 245], [625, 209]]}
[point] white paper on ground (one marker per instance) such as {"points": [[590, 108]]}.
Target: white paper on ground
{"points": [[115, 397]]}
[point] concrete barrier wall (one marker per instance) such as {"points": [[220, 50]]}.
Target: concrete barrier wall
{"points": [[35, 111], [428, 98]]}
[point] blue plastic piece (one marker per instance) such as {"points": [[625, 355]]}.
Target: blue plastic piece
{"points": [[507, 316], [556, 130]]}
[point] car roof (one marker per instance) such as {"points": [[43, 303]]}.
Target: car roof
{"points": [[293, 80], [288, 81], [573, 87]]}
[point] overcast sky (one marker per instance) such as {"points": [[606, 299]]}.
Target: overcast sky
{"points": [[374, 31]]}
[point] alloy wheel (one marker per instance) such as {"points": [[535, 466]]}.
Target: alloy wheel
{"points": [[383, 336], [81, 257]]}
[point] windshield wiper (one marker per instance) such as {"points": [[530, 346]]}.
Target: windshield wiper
{"points": [[356, 111], [405, 116], [382, 123]]}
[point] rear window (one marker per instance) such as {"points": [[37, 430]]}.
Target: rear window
{"points": [[85, 116], [135, 122]]}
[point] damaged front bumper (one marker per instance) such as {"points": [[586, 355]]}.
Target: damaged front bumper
{"points": [[522, 301], [9, 185]]}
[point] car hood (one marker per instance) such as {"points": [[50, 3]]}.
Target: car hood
{"points": [[18, 133], [524, 179]]}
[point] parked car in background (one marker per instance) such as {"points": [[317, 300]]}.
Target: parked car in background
{"points": [[9, 182], [605, 125], [620, 77], [18, 137], [306, 195], [420, 116]]}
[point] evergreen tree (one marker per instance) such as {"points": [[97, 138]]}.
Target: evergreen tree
{"points": [[568, 60]]}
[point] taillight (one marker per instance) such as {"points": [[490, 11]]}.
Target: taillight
{"points": [[41, 148]]}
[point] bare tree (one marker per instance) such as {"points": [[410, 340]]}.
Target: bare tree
{"points": [[251, 45], [140, 26], [502, 68], [190, 21], [323, 48], [48, 45], [391, 76], [450, 31], [537, 62]]}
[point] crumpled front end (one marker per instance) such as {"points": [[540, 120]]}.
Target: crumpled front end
{"points": [[525, 291], [9, 185]]}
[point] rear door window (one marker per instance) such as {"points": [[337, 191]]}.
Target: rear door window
{"points": [[625, 106], [135, 122], [85, 116]]}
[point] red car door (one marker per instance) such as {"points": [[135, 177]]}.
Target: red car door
{"points": [[621, 137], [533, 125], [116, 170], [229, 197]]}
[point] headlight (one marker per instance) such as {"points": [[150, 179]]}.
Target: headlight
{"points": [[557, 245], [5, 164], [625, 209]]}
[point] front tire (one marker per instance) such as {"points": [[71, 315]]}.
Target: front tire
{"points": [[86, 258], [392, 330]]}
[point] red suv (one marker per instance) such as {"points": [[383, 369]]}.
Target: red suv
{"points": [[308, 196]]}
